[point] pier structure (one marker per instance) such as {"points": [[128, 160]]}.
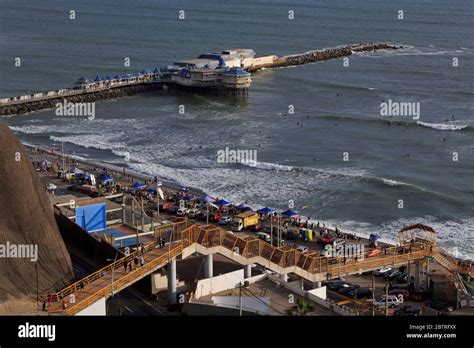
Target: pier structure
{"points": [[225, 73]]}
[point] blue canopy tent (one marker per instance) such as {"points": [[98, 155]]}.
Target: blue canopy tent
{"points": [[83, 176], [265, 210], [151, 190], [45, 163], [98, 78], [223, 203], [243, 207], [105, 178], [138, 185], [157, 71], [147, 72], [117, 77], [374, 237], [289, 213], [187, 197]]}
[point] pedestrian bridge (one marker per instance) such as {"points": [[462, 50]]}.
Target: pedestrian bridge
{"points": [[186, 239]]}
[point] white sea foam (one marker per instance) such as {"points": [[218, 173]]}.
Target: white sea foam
{"points": [[442, 126]]}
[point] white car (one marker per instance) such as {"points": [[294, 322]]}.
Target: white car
{"points": [[338, 241], [392, 301], [302, 249], [382, 271], [192, 213], [181, 211], [225, 220]]}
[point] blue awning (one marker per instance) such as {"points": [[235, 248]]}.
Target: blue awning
{"points": [[265, 210], [138, 185], [223, 202], [243, 207], [289, 213], [97, 78]]}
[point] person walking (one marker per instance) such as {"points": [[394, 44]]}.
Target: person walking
{"points": [[142, 261], [45, 306]]}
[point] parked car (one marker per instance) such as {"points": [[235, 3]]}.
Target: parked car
{"points": [[359, 293], [74, 188], [408, 310], [192, 213], [403, 279], [302, 249], [257, 228], [345, 288], [392, 275], [181, 212], [95, 194], [225, 220], [172, 210], [440, 306], [215, 217], [382, 271], [201, 215], [335, 285], [404, 293], [391, 300], [263, 236]]}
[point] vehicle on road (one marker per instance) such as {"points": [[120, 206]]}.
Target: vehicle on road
{"points": [[215, 217], [346, 288], [225, 220], [404, 293], [440, 306], [382, 271], [391, 300], [181, 212], [408, 310], [373, 252], [257, 228], [359, 293], [302, 249], [192, 213], [244, 220], [74, 188], [392, 275], [324, 240], [263, 236]]}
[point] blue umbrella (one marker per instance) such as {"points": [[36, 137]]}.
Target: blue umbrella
{"points": [[265, 210], [187, 198], [374, 237], [289, 213], [222, 202], [184, 189]]}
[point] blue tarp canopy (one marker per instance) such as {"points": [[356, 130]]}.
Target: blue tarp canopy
{"points": [[147, 71], [243, 207], [138, 185], [117, 77], [207, 199], [98, 78], [374, 237], [289, 213], [151, 190], [223, 203], [265, 210], [184, 189], [45, 163], [157, 71], [187, 197], [105, 177], [83, 176]]}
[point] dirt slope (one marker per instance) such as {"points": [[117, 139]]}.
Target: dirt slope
{"points": [[26, 217]]}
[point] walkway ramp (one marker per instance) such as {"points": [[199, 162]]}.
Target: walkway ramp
{"points": [[209, 240]]}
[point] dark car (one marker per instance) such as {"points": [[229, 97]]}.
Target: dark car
{"points": [[392, 275], [257, 228], [74, 188], [95, 194], [440, 306], [408, 310], [346, 287], [360, 293], [398, 286], [404, 279], [335, 285], [418, 295]]}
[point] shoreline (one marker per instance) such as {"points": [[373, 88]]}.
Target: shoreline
{"points": [[172, 186]]}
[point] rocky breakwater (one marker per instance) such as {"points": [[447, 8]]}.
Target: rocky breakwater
{"points": [[326, 54]]}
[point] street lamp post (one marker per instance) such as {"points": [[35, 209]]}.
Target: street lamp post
{"points": [[158, 184], [112, 283]]}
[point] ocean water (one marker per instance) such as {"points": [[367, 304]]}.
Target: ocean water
{"points": [[301, 155]]}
